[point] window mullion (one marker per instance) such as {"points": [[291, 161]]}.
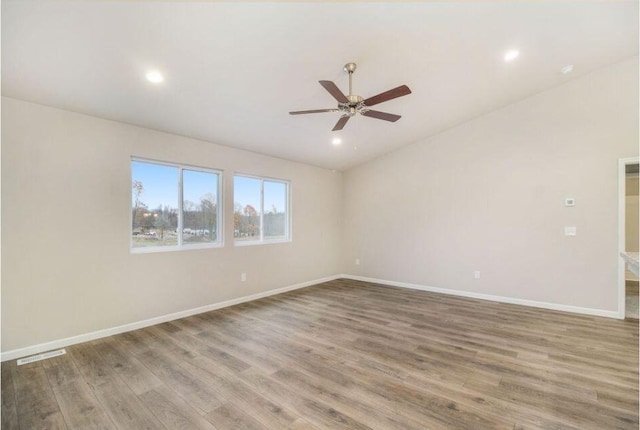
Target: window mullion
{"points": [[287, 213], [262, 210], [180, 208]]}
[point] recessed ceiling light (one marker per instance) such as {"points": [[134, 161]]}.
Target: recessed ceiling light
{"points": [[336, 141], [566, 69], [154, 76], [511, 55]]}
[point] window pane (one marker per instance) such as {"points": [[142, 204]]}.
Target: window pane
{"points": [[199, 207], [154, 197], [275, 210], [246, 215]]}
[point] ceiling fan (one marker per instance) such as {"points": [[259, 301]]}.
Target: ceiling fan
{"points": [[350, 105]]}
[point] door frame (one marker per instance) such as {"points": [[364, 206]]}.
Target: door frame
{"points": [[622, 164]]}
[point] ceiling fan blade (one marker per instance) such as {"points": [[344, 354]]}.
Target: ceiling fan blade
{"points": [[334, 91], [400, 91], [301, 112], [382, 115], [341, 123]]}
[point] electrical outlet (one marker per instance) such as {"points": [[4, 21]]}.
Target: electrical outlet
{"points": [[243, 277], [476, 274], [357, 261]]}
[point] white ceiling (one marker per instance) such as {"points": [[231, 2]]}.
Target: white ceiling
{"points": [[234, 70]]}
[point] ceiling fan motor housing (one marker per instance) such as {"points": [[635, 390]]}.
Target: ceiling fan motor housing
{"points": [[353, 107]]}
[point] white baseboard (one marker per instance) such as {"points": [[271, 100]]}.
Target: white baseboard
{"points": [[501, 299], [61, 343]]}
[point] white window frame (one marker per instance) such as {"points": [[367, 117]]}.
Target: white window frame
{"points": [[287, 224], [219, 243]]}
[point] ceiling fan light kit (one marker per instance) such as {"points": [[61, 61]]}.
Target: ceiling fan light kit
{"points": [[352, 104]]}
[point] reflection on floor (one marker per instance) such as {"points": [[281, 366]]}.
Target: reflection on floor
{"points": [[631, 299]]}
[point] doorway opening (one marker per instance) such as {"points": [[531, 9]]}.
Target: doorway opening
{"points": [[628, 176]]}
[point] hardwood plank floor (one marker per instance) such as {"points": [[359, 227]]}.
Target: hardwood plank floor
{"points": [[341, 355]]}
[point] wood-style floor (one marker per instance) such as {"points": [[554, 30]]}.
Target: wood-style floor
{"points": [[341, 355]]}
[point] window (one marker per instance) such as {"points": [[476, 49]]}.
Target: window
{"points": [[173, 207], [261, 210], [199, 207]]}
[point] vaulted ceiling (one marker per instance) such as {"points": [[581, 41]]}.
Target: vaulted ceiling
{"points": [[233, 71]]}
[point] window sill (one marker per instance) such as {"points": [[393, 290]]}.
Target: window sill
{"points": [[259, 242], [176, 248]]}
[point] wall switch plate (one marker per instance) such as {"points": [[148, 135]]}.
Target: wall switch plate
{"points": [[569, 201], [476, 274], [569, 231], [357, 261], [243, 277]]}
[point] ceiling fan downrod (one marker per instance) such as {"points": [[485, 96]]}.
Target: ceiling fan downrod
{"points": [[353, 99], [350, 68]]}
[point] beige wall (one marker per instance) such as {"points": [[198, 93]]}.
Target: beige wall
{"points": [[489, 194], [66, 265], [486, 195]]}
